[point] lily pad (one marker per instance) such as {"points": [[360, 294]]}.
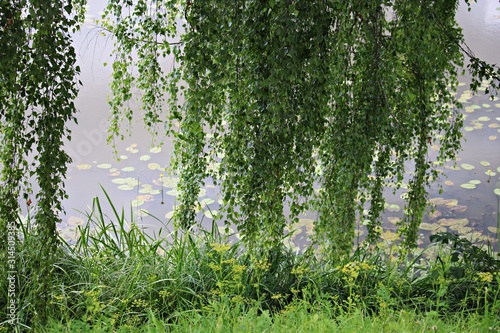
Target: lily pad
{"points": [[155, 150], [461, 229], [394, 208], [449, 183], [450, 222], [173, 192], [104, 166], [122, 157], [493, 229], [431, 227], [475, 181], [497, 191], [84, 166], [389, 236], [451, 203], [485, 163], [467, 166], [468, 128], [437, 201], [145, 158], [126, 187], [137, 203], [75, 220], [393, 219], [211, 214], [490, 173], [493, 125], [154, 166], [483, 118], [128, 169], [169, 215], [492, 137], [468, 186]]}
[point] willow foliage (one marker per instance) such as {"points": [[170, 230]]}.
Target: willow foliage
{"points": [[298, 105], [37, 87]]}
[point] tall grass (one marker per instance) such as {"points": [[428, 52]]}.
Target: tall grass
{"points": [[117, 277]]}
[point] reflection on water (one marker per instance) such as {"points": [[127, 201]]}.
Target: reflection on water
{"points": [[140, 178]]}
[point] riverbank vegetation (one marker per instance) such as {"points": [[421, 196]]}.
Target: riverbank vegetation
{"points": [[116, 277], [289, 106]]}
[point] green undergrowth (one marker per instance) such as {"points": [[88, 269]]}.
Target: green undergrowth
{"points": [[115, 277]]}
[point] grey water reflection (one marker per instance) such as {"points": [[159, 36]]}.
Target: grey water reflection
{"points": [[139, 178]]}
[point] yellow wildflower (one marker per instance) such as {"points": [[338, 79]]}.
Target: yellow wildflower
{"points": [[485, 276]]}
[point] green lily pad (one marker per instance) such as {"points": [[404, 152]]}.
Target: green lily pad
{"points": [[137, 203], [145, 158], [461, 229], [485, 163], [497, 191], [155, 150], [493, 229], [173, 192], [126, 187], [154, 166], [468, 186], [490, 173], [211, 214], [169, 181], [128, 169], [492, 137], [494, 125], [104, 166], [468, 128], [431, 227], [75, 220], [486, 106], [467, 166], [475, 181], [169, 215], [393, 208], [450, 222], [84, 166], [122, 157]]}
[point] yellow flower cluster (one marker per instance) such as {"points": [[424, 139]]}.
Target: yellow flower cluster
{"points": [[220, 248], [485, 276], [352, 269]]}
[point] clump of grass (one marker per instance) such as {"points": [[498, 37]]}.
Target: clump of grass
{"points": [[117, 277]]}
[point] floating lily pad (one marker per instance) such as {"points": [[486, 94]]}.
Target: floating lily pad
{"points": [[459, 209], [450, 222], [467, 166], [145, 158], [393, 220], [485, 163], [126, 187], [394, 208], [104, 166], [122, 157], [389, 236], [145, 197], [492, 137], [155, 150], [449, 182], [468, 186], [490, 173], [475, 181], [493, 229], [173, 192], [128, 169], [469, 109], [461, 229], [137, 203], [206, 202], [170, 181], [119, 180], [493, 125], [84, 166], [75, 220], [450, 203], [483, 118], [226, 230], [154, 166], [211, 214], [468, 128], [497, 191], [431, 227], [437, 201], [486, 106], [169, 215]]}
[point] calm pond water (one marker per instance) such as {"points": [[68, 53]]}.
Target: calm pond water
{"points": [[467, 204]]}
